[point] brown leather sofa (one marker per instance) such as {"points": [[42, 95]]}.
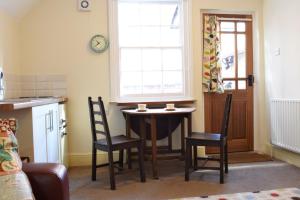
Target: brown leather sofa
{"points": [[48, 181]]}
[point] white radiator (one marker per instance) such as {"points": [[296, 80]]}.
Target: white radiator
{"points": [[285, 124]]}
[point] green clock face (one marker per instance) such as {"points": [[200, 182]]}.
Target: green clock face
{"points": [[99, 43]]}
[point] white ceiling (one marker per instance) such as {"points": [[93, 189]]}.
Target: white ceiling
{"points": [[17, 8]]}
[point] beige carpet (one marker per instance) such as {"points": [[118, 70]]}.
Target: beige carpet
{"points": [[171, 184]]}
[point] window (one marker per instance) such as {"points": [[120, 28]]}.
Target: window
{"points": [[149, 55]]}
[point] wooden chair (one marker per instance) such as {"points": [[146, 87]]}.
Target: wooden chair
{"points": [[210, 139], [110, 143]]}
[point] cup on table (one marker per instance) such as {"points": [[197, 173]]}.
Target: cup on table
{"points": [[170, 106], [142, 106]]}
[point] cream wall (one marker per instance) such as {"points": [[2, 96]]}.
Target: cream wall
{"points": [[9, 43], [282, 71], [55, 40]]}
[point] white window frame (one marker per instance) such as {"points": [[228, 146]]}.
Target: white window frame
{"points": [[114, 57]]}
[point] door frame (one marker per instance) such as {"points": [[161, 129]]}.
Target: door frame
{"points": [[250, 62]]}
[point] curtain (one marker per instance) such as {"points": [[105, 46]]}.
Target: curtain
{"points": [[212, 79]]}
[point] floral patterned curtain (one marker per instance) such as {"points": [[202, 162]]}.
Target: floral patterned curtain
{"points": [[212, 80]]}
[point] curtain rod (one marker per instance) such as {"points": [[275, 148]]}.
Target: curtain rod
{"points": [[235, 19]]}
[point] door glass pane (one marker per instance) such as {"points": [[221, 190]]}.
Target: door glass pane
{"points": [[227, 26], [241, 48], [227, 55], [242, 85], [241, 26], [229, 85]]}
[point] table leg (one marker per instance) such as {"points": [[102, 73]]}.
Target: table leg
{"points": [[154, 147], [182, 137], [143, 131], [128, 134], [189, 119], [169, 135]]}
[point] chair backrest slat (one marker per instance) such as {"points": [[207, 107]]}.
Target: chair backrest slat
{"points": [[225, 122], [97, 113], [103, 122], [99, 122], [100, 132]]}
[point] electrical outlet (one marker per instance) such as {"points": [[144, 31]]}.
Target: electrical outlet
{"points": [[277, 52]]}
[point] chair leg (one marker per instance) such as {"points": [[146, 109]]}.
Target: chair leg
{"points": [[195, 157], [221, 163], [226, 158], [129, 158], [94, 163], [111, 171], [121, 157], [188, 155], [141, 162]]}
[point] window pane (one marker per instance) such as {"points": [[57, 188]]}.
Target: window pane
{"points": [[242, 85], [241, 48], [227, 55], [129, 36], [229, 85], [227, 26], [130, 83], [131, 60], [172, 59], [128, 14], [152, 82], [169, 15], [170, 36], [150, 36], [241, 26], [172, 82], [151, 59], [150, 14]]}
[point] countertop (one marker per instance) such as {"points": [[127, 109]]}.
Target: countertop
{"points": [[22, 103]]}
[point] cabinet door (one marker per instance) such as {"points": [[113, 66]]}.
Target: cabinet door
{"points": [[53, 138], [45, 133], [40, 124]]}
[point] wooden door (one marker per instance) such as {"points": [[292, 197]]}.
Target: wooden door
{"points": [[237, 71]]}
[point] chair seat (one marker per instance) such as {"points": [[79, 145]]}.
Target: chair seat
{"points": [[212, 138], [118, 142]]}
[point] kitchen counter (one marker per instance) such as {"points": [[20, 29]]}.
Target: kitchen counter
{"points": [[22, 103]]}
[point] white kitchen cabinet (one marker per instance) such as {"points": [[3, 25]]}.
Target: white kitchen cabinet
{"points": [[46, 138], [38, 132]]}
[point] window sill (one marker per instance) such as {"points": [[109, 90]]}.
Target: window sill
{"points": [[158, 102]]}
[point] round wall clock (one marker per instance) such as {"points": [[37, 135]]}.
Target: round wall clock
{"points": [[99, 43]]}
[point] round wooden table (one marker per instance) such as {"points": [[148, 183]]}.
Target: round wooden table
{"points": [[152, 114]]}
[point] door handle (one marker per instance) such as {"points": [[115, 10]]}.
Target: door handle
{"points": [[47, 122], [250, 80]]}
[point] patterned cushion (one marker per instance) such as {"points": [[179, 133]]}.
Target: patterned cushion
{"points": [[9, 159], [15, 187]]}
